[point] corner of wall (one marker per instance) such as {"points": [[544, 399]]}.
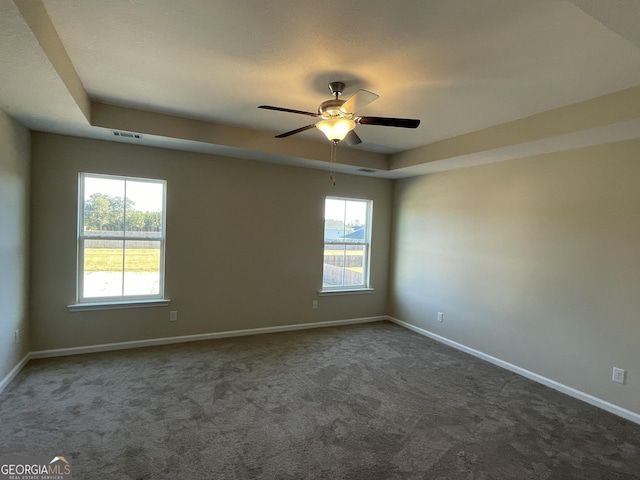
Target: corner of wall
{"points": [[15, 160]]}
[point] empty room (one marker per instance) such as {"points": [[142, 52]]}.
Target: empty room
{"points": [[319, 240]]}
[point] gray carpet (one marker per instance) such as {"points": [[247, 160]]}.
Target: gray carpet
{"points": [[370, 402]]}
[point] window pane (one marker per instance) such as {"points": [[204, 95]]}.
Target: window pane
{"points": [[142, 267], [103, 206], [355, 221], [333, 268], [334, 229], [345, 221], [343, 265], [144, 209], [354, 256], [102, 268]]}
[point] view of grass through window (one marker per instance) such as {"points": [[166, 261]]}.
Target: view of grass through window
{"points": [[346, 241], [121, 237]]}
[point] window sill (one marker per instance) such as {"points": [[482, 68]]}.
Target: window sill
{"points": [[77, 307], [346, 291]]}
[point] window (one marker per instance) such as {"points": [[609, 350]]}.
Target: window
{"points": [[121, 239], [347, 233]]}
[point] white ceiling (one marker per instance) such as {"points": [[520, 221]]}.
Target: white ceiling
{"points": [[460, 66]]}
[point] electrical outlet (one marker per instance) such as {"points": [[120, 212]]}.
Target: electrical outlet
{"points": [[618, 375], [17, 336], [173, 316], [440, 316], [314, 304]]}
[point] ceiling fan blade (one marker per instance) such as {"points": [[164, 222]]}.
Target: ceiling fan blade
{"points": [[280, 109], [389, 122], [352, 138], [358, 100], [297, 130]]}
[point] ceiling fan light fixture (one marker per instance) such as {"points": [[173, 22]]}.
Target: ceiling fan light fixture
{"points": [[335, 129]]}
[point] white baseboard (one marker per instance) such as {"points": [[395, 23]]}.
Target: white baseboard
{"points": [[14, 371], [60, 352], [572, 392]]}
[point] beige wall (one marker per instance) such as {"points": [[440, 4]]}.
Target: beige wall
{"points": [[533, 261], [14, 224], [244, 243]]}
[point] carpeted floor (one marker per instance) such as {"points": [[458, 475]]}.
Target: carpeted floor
{"points": [[372, 401]]}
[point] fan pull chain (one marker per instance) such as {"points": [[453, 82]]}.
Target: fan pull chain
{"points": [[332, 174]]}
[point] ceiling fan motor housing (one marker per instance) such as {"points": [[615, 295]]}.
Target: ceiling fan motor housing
{"points": [[331, 108]]}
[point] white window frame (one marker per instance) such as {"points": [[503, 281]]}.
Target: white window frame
{"points": [[366, 254], [152, 300]]}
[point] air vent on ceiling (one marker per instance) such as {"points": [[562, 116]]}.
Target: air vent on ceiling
{"points": [[126, 134], [366, 170]]}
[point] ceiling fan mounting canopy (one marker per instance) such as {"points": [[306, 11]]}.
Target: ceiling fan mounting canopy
{"points": [[336, 88], [338, 117]]}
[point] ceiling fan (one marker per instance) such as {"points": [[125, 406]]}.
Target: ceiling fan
{"points": [[338, 118]]}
